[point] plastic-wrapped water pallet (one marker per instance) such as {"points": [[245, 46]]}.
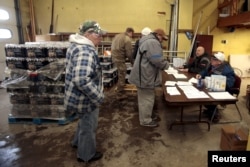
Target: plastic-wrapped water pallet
{"points": [[107, 83], [106, 65], [112, 73]]}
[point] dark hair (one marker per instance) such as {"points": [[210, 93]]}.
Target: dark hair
{"points": [[129, 29]]}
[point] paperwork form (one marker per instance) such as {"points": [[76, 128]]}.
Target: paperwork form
{"points": [[193, 93], [189, 88], [184, 83], [171, 71], [196, 95], [180, 76], [221, 95], [172, 91], [170, 83]]}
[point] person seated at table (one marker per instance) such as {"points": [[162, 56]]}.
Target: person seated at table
{"points": [[200, 63], [218, 67]]}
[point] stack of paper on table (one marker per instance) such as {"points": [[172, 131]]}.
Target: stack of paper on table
{"points": [[188, 88], [193, 93], [180, 76], [221, 95], [196, 95], [173, 91], [171, 71], [184, 83], [170, 83]]}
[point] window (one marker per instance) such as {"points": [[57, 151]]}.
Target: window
{"points": [[5, 33], [4, 15]]}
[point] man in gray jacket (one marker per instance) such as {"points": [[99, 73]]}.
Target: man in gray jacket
{"points": [[146, 75]]}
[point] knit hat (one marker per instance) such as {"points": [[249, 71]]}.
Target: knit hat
{"points": [[91, 26], [161, 33], [146, 31], [219, 56]]}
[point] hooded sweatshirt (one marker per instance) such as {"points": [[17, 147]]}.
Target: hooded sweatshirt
{"points": [[83, 77]]}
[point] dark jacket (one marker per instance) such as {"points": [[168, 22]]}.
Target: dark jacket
{"points": [[199, 64], [136, 48], [224, 69]]}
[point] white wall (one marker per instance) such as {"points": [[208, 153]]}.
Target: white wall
{"points": [[242, 62]]}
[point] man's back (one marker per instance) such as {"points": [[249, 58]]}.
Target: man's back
{"points": [[118, 42], [121, 47]]}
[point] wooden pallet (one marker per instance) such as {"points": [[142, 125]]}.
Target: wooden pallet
{"points": [[130, 88], [39, 121]]}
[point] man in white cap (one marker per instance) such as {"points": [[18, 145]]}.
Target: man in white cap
{"points": [[146, 74], [145, 31], [84, 88], [218, 67]]}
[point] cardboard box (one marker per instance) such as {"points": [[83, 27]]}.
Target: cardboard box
{"points": [[41, 38], [248, 143], [233, 139]]}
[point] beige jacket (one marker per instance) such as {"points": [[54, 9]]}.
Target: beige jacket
{"points": [[121, 48]]}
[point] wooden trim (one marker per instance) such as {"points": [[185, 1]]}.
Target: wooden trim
{"points": [[32, 21], [225, 4], [233, 21], [185, 30]]}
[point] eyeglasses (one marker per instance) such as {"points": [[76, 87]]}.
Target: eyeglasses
{"points": [[97, 35]]}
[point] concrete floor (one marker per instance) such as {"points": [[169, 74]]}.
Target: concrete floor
{"points": [[120, 137]]}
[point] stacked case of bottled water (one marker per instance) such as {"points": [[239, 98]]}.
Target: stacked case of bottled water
{"points": [[109, 71], [35, 79]]}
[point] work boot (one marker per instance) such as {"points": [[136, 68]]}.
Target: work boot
{"points": [[150, 124]]}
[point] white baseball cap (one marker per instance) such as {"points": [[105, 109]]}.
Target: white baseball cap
{"points": [[220, 56], [146, 31]]}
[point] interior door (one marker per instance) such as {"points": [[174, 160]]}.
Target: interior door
{"points": [[10, 24]]}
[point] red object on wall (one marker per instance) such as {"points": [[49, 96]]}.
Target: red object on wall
{"points": [[203, 40]]}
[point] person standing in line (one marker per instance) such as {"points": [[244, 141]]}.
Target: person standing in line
{"points": [[145, 31], [201, 62], [121, 49], [84, 88], [146, 74]]}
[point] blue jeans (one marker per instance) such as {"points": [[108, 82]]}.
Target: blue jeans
{"points": [[85, 135]]}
